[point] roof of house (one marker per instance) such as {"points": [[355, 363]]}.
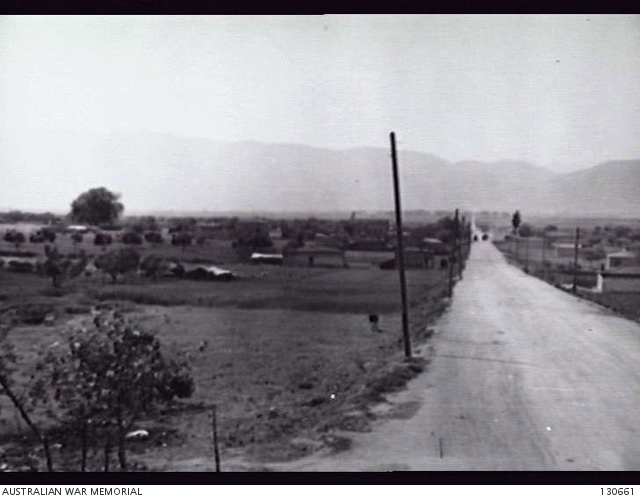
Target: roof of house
{"points": [[312, 248], [623, 254], [565, 245], [266, 255], [622, 272]]}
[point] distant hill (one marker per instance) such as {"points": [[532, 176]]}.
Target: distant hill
{"points": [[166, 172]]}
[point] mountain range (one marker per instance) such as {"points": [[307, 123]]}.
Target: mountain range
{"points": [[167, 172]]}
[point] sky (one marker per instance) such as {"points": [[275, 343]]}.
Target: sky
{"points": [[560, 91]]}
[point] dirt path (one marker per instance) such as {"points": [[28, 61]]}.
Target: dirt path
{"points": [[523, 377]]}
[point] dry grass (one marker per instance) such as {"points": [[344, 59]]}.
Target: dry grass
{"points": [[288, 351]]}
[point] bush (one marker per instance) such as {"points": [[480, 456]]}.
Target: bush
{"points": [[21, 266], [153, 237], [132, 238], [34, 313], [118, 262], [14, 237], [183, 239], [101, 239]]}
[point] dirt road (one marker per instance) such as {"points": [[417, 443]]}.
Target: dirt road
{"points": [[523, 377]]}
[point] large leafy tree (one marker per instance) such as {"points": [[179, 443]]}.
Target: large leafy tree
{"points": [[96, 207]]}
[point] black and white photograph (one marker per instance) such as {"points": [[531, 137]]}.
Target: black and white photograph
{"points": [[320, 243]]}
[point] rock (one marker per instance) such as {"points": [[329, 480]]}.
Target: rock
{"points": [[49, 319]]}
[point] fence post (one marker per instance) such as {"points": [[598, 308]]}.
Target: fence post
{"points": [[214, 436]]}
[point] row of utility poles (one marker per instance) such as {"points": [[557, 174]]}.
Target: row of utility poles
{"points": [[462, 237]]}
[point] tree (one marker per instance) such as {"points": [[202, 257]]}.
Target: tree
{"points": [[515, 221], [14, 237], [119, 261], [153, 266], [60, 268], [526, 230], [183, 239], [102, 239], [48, 234], [76, 237], [110, 374], [132, 238], [96, 206], [153, 237], [145, 224]]}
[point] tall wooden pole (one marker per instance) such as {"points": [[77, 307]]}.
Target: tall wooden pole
{"points": [[575, 261], [544, 260], [458, 243], [403, 280], [214, 436]]}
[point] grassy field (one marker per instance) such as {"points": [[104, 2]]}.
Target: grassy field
{"points": [[289, 353]]}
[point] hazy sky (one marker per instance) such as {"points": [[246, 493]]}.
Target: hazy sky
{"points": [[557, 90]]}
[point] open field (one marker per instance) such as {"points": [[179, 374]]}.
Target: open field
{"points": [[289, 352]]}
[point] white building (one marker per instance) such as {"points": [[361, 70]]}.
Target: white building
{"points": [[621, 259], [623, 280]]}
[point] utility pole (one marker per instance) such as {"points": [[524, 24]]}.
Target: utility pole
{"points": [[575, 261], [544, 261], [457, 242], [403, 280]]}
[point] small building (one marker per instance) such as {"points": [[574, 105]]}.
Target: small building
{"points": [[416, 258], [267, 258], [312, 254], [564, 250], [82, 229], [622, 280], [621, 259], [275, 232]]}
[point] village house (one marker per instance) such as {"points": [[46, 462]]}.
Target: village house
{"points": [[621, 259], [416, 258], [564, 250], [619, 280]]}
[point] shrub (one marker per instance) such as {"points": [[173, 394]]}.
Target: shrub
{"points": [[183, 239], [118, 262], [132, 238], [15, 237], [102, 239], [21, 266], [153, 237], [34, 313]]}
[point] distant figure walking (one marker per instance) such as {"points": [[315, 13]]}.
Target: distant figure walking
{"points": [[373, 320]]}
